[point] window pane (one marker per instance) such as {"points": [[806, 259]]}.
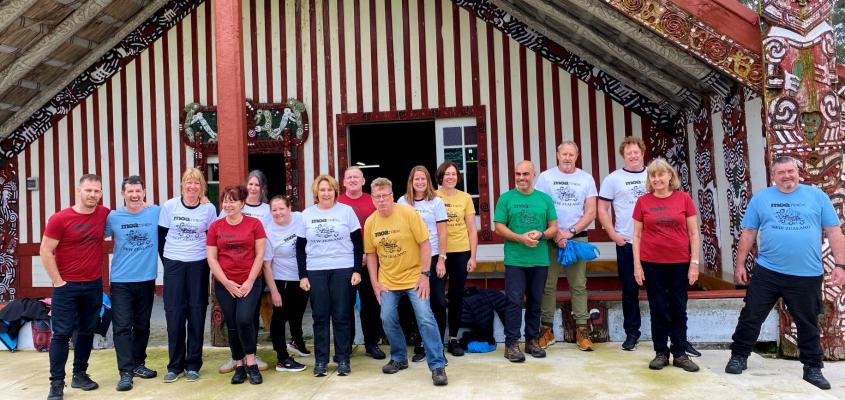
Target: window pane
{"points": [[469, 135], [476, 202], [455, 155], [452, 137], [213, 173], [471, 178], [471, 155]]}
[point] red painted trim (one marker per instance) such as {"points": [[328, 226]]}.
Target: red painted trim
{"points": [[329, 91], [541, 109], [341, 56], [42, 199], [556, 112], [457, 67], [315, 96], [283, 53], [268, 45], [594, 133], [231, 86], [298, 42], [139, 118], [168, 114], [359, 85], [576, 114], [209, 54], [611, 134], [473, 46], [56, 182], [95, 102], [523, 95], [83, 116], [110, 133], [391, 62], [728, 17], [438, 29], [253, 45], [71, 157], [506, 68], [153, 110], [493, 157], [406, 50], [423, 49], [27, 172]]}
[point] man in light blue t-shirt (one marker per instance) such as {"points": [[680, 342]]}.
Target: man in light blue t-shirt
{"points": [[134, 229], [789, 219]]}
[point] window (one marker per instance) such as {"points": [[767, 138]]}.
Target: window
{"points": [[457, 142]]}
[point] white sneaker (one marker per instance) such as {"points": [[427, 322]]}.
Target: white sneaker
{"points": [[227, 367]]}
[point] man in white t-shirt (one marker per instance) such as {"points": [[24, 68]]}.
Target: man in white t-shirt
{"points": [[574, 194], [621, 189]]}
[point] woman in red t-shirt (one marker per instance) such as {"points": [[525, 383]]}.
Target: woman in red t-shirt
{"points": [[235, 248], [666, 258]]}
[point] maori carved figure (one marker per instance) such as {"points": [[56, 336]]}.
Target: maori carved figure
{"points": [[705, 170], [670, 142], [8, 229], [803, 116], [735, 148]]}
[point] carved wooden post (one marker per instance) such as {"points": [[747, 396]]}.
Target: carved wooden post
{"points": [[705, 169], [803, 117]]}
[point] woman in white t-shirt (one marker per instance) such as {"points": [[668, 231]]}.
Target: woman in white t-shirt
{"points": [[421, 196], [183, 223], [329, 250], [289, 300]]}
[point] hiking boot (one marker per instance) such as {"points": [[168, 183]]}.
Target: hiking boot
{"points": [[192, 376], [57, 390], [125, 382], [547, 336], [374, 351], [343, 368], [289, 365], [143, 372], [631, 341], [82, 381], [686, 363], [454, 348], [394, 366], [254, 375], [320, 369], [691, 351], [171, 376], [239, 376], [736, 365], [299, 348], [227, 367], [262, 365], [814, 376], [533, 347], [438, 377], [513, 354], [660, 360], [582, 338]]}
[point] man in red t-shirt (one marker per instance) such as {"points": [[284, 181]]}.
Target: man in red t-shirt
{"points": [[362, 203], [72, 254]]}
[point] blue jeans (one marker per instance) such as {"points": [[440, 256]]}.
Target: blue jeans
{"points": [[425, 321], [76, 307]]}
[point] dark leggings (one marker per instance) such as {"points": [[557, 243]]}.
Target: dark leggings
{"points": [[294, 301], [239, 315], [456, 275]]}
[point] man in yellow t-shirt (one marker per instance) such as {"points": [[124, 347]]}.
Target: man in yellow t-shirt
{"points": [[399, 262]]}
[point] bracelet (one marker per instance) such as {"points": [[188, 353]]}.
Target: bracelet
{"points": [[693, 261]]}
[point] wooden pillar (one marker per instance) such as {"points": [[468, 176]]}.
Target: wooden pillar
{"points": [[231, 97], [803, 120]]}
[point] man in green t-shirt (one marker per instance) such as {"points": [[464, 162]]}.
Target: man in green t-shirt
{"points": [[525, 218]]}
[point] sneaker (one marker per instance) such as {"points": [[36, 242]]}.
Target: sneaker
{"points": [[582, 338], [343, 368], [320, 369], [547, 336], [513, 354], [438, 377], [57, 390], [192, 376], [631, 341], [533, 347], [454, 348], [691, 351], [239, 376], [171, 376], [290, 365], [814, 376], [143, 372], [660, 360], [736, 365], [299, 348], [227, 367], [394, 366], [262, 365], [686, 363], [335, 359], [254, 375], [125, 382], [417, 357], [82, 381], [374, 351]]}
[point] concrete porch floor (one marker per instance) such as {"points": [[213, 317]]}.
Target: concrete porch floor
{"points": [[606, 373]]}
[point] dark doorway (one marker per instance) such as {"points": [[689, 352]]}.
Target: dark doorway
{"points": [[273, 166], [391, 149]]}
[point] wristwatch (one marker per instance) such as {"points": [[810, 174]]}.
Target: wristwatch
{"points": [[840, 266], [443, 256], [426, 273], [572, 230]]}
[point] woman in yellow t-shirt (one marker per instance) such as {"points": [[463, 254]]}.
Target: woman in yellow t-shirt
{"points": [[461, 246]]}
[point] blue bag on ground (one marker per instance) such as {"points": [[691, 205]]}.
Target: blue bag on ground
{"points": [[576, 251]]}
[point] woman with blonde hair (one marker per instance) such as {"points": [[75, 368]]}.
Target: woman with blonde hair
{"points": [[665, 251], [183, 223]]}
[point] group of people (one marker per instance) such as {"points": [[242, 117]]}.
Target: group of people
{"points": [[385, 252]]}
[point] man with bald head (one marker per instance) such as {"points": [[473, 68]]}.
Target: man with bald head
{"points": [[525, 218]]}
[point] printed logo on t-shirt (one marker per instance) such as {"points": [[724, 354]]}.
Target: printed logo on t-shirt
{"points": [[636, 188], [788, 218], [454, 217], [325, 231], [88, 236], [565, 194], [527, 219], [391, 247], [137, 240], [185, 231]]}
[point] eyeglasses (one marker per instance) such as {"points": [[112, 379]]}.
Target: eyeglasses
{"points": [[383, 196]]}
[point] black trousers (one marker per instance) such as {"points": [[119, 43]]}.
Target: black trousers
{"points": [[185, 306], [370, 311], [331, 293], [76, 306], [666, 285], [802, 296], [630, 290], [524, 283], [132, 304], [294, 301], [456, 277], [239, 314]]}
